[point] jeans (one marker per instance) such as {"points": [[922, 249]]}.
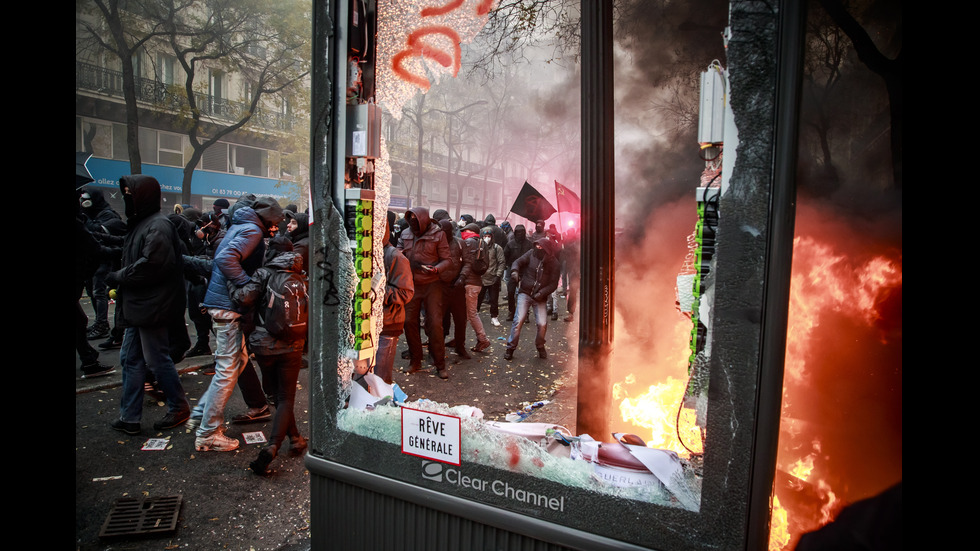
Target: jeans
{"points": [[384, 362], [230, 359], [148, 348], [524, 302], [472, 301]]}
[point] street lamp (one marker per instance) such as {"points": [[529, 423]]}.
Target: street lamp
{"points": [[449, 157]]}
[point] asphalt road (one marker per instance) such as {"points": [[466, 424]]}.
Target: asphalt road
{"points": [[225, 505]]}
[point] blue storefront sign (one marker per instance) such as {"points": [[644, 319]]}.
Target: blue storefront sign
{"points": [[213, 184]]}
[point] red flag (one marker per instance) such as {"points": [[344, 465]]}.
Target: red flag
{"points": [[567, 200]]}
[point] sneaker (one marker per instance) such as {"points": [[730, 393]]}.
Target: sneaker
{"points": [[192, 424], [569, 317], [481, 346], [509, 355], [495, 322], [443, 373], [110, 344], [97, 331], [554, 316], [98, 369], [200, 349], [172, 420], [542, 353], [253, 415], [463, 354], [217, 442], [129, 428]]}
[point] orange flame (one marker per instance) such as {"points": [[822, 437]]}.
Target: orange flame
{"points": [[656, 410]]}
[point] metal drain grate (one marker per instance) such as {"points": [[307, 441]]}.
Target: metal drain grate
{"points": [[135, 516]]}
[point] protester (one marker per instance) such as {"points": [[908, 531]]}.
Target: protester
{"points": [[99, 218], [298, 230], [149, 296], [471, 277], [280, 356], [515, 249], [536, 274], [424, 245], [399, 290], [491, 278], [454, 298], [238, 256]]}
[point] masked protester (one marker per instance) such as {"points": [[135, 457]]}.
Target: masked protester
{"points": [[424, 245], [491, 278], [150, 297], [536, 274]]}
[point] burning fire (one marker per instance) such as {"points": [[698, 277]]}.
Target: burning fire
{"points": [[657, 410], [823, 281]]}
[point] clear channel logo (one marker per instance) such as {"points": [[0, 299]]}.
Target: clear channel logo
{"points": [[448, 474]]}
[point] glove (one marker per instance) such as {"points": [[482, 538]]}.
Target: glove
{"points": [[112, 279]]}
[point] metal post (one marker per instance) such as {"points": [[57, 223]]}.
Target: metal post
{"points": [[598, 209]]}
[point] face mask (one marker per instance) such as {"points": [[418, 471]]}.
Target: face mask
{"points": [[486, 240], [461, 223], [539, 253], [86, 200]]}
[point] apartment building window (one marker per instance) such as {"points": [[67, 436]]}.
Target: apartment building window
{"points": [[120, 149], [97, 139], [171, 150], [249, 160], [148, 145], [216, 158], [165, 68]]}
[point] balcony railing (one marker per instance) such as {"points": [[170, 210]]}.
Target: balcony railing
{"points": [[169, 97]]}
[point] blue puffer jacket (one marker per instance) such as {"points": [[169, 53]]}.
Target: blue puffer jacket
{"points": [[237, 257]]}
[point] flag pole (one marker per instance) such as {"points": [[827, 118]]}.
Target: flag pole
{"points": [[561, 225]]}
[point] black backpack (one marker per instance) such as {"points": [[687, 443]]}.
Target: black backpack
{"points": [[286, 312], [482, 262]]}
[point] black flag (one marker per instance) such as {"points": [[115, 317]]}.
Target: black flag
{"points": [[532, 205]]}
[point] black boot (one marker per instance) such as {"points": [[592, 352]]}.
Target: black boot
{"points": [[261, 463]]}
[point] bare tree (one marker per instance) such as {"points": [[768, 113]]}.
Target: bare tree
{"points": [[267, 45], [131, 25]]}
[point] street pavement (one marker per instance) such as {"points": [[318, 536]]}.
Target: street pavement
{"points": [[224, 504]]}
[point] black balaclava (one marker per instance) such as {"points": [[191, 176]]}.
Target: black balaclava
{"points": [[143, 199], [520, 233]]}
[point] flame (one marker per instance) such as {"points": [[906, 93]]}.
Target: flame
{"points": [[656, 410], [778, 526], [822, 281]]}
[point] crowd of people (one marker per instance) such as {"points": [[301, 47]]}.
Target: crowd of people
{"points": [[456, 267], [217, 267], [227, 268]]}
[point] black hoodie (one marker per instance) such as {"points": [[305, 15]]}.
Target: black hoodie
{"points": [[151, 283]]}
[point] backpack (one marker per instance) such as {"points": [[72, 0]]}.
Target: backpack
{"points": [[286, 312], [481, 263]]}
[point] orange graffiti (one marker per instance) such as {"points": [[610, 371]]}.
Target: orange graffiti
{"points": [[417, 47]]}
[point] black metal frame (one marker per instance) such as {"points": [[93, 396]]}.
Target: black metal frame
{"points": [[360, 484]]}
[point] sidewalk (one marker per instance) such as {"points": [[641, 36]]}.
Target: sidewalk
{"points": [[224, 504]]}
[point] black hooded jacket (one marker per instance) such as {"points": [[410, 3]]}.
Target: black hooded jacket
{"points": [[150, 285], [538, 274]]}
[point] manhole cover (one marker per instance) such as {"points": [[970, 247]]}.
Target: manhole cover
{"points": [[136, 516]]}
